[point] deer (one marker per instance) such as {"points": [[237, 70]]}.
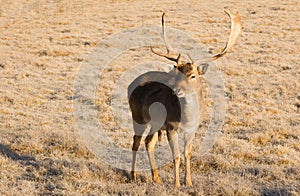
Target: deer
{"points": [[173, 90]]}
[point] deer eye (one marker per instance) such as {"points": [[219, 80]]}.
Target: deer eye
{"points": [[192, 76]]}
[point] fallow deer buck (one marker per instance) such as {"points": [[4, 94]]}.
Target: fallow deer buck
{"points": [[145, 92]]}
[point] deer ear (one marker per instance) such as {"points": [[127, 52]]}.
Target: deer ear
{"points": [[202, 68]]}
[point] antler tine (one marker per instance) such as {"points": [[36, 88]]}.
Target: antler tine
{"points": [[164, 32], [168, 55], [235, 31], [191, 59]]}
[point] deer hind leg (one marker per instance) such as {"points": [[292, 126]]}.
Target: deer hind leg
{"points": [[160, 134], [173, 142], [138, 130], [150, 142], [187, 154]]}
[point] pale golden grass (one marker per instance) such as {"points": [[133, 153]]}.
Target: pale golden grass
{"points": [[41, 48]]}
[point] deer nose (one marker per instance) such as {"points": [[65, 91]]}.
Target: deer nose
{"points": [[178, 92]]}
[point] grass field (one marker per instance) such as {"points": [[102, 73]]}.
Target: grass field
{"points": [[42, 45]]}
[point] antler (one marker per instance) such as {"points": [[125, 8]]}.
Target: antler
{"points": [[235, 31], [168, 55]]}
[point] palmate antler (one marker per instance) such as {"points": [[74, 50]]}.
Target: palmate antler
{"points": [[168, 55], [235, 31]]}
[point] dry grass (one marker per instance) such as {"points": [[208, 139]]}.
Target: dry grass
{"points": [[41, 48]]}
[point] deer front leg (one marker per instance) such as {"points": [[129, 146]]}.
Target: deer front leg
{"points": [[138, 133], [135, 148], [187, 154], [150, 142], [173, 142]]}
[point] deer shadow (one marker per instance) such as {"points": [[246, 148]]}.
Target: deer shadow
{"points": [[6, 151]]}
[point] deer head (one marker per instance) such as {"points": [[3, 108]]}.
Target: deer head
{"points": [[192, 70]]}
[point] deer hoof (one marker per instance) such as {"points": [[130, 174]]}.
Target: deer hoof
{"points": [[189, 183], [157, 180], [133, 176], [177, 184]]}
